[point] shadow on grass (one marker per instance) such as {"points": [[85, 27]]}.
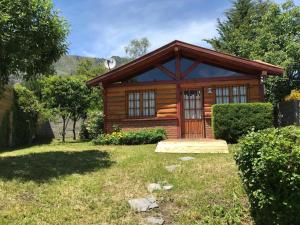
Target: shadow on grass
{"points": [[41, 167]]}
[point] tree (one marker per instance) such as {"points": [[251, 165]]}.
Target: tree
{"points": [[87, 69], [269, 32], [32, 37], [69, 97], [29, 108], [137, 48]]}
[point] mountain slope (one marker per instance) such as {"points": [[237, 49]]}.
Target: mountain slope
{"points": [[67, 64]]}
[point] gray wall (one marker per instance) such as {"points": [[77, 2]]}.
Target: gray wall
{"points": [[49, 130]]}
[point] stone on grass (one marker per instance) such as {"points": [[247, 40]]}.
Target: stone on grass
{"points": [[187, 158], [155, 220], [171, 168], [153, 187], [143, 204], [167, 187]]}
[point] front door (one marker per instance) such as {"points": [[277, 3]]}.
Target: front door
{"points": [[193, 123]]}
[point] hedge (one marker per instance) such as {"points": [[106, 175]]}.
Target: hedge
{"points": [[231, 121], [269, 162], [145, 136]]}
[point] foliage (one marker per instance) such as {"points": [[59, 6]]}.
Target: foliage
{"points": [[276, 88], [4, 130], [294, 96], [266, 31], [137, 48], [87, 69], [27, 101], [231, 121], [32, 37], [26, 111], [93, 125], [269, 162], [68, 97], [146, 136]]}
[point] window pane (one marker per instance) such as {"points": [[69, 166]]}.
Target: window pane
{"points": [[235, 99], [206, 70], [186, 114], [243, 99], [171, 65], [185, 63], [150, 76], [222, 95], [152, 112], [130, 96]]}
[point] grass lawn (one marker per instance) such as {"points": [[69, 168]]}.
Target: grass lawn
{"points": [[79, 183]]}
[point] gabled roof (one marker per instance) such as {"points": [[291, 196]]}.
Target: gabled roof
{"points": [[167, 51]]}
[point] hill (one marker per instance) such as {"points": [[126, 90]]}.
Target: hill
{"points": [[67, 64]]}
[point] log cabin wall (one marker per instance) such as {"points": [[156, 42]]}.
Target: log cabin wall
{"points": [[166, 104], [166, 113]]}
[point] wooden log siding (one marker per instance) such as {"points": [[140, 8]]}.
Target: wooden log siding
{"points": [[166, 104]]}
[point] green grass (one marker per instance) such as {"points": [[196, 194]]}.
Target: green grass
{"points": [[79, 183]]}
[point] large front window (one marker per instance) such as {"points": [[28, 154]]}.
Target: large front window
{"points": [[141, 104], [234, 94]]}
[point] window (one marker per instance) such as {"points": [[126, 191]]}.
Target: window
{"points": [[170, 65], [185, 64], [235, 94], [150, 76], [206, 70], [141, 104], [193, 104], [222, 95], [239, 94]]}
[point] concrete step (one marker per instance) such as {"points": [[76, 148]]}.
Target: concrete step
{"points": [[192, 146]]}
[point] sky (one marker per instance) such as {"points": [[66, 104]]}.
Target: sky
{"points": [[102, 28]]}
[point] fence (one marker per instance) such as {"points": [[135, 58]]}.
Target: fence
{"points": [[289, 113]]}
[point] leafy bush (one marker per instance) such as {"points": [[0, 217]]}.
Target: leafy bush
{"points": [[294, 96], [231, 121], [146, 136], [93, 126], [26, 111], [269, 162]]}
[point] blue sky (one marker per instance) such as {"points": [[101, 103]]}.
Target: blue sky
{"points": [[102, 28]]}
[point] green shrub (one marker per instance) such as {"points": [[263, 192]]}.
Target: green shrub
{"points": [[269, 162], [146, 136], [231, 121], [93, 125], [26, 110]]}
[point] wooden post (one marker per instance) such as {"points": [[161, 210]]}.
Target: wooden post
{"points": [[178, 94], [11, 116]]}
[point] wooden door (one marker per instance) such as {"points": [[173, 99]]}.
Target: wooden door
{"points": [[193, 122]]}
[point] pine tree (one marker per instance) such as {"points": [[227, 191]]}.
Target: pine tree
{"points": [[237, 31]]}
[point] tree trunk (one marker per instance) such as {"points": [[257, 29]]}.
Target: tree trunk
{"points": [[64, 129], [74, 129]]}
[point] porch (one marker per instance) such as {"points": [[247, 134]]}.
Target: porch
{"points": [[192, 146]]}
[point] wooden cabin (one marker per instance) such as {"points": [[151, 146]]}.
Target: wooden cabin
{"points": [[175, 86]]}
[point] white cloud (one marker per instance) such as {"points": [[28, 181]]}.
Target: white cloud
{"points": [[112, 40]]}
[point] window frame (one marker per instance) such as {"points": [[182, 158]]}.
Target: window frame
{"points": [[141, 103], [231, 95]]}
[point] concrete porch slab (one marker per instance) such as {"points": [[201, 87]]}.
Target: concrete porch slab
{"points": [[192, 146]]}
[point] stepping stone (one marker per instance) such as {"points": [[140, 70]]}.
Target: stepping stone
{"points": [[153, 187], [155, 220], [187, 158], [143, 204], [171, 168], [168, 187]]}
